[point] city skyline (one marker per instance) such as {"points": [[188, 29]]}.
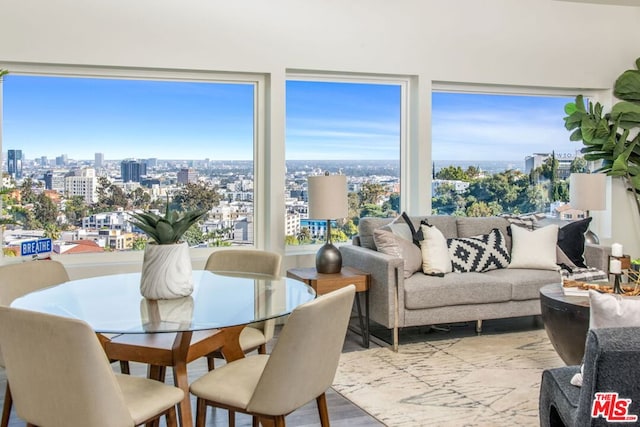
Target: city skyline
{"points": [[51, 116]]}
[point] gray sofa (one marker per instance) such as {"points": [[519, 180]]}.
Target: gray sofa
{"points": [[421, 300]]}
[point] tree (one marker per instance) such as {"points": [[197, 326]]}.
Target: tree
{"points": [[353, 201], [446, 199], [370, 209], [350, 228], [75, 209], [140, 199], [290, 240], [52, 231], [27, 195], [193, 236], [578, 165], [393, 204], [110, 196], [45, 211], [484, 209], [549, 168], [503, 187], [304, 236], [454, 173], [473, 172], [25, 217], [371, 193], [196, 196]]}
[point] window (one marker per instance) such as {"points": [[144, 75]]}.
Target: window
{"points": [[96, 144], [497, 153], [342, 126]]}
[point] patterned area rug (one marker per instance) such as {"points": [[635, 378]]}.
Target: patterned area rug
{"points": [[487, 380]]}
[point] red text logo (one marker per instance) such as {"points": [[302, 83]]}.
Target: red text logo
{"points": [[612, 408]]}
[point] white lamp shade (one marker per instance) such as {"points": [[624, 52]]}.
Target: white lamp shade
{"points": [[328, 197], [587, 191]]}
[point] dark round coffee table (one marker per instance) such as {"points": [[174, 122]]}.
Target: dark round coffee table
{"points": [[566, 320]]}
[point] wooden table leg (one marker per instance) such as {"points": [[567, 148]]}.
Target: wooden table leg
{"points": [[231, 349], [180, 349]]}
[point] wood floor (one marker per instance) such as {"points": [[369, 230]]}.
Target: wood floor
{"points": [[342, 412]]}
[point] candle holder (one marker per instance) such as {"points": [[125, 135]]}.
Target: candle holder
{"points": [[617, 287]]}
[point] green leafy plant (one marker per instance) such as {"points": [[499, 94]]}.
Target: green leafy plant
{"points": [[612, 137], [167, 229]]}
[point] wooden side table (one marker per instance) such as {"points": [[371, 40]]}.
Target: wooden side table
{"points": [[324, 283]]}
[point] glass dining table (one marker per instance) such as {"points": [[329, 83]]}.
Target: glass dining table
{"points": [[220, 302]]}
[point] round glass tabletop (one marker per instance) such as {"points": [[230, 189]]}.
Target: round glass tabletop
{"points": [[113, 304]]}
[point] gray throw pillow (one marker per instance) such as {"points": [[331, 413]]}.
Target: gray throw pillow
{"points": [[398, 247]]}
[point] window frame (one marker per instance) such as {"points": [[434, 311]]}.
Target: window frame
{"points": [[408, 89], [602, 221], [260, 169]]}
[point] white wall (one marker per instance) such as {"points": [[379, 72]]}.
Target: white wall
{"points": [[516, 42], [534, 43]]}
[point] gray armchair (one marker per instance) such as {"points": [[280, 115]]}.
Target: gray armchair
{"points": [[611, 365]]}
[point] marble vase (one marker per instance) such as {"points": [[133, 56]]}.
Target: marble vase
{"points": [[166, 271]]}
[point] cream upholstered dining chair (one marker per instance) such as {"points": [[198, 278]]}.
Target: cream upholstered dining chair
{"points": [[248, 261], [300, 368], [20, 279], [74, 385]]}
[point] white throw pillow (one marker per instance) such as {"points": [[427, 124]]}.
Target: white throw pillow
{"points": [[613, 311], [398, 247], [435, 253], [534, 249], [610, 311]]}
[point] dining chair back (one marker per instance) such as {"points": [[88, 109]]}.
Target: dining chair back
{"points": [[74, 384], [301, 367], [249, 261], [244, 261], [19, 279], [22, 278]]}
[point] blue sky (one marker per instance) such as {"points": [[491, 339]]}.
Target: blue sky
{"points": [[50, 116]]}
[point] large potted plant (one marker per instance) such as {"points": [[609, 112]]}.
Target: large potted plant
{"points": [[166, 268], [612, 137]]}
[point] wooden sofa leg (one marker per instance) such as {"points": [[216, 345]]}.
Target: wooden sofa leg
{"points": [[478, 326], [395, 339]]}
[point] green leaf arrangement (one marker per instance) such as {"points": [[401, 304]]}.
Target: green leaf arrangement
{"points": [[167, 229], [612, 138]]}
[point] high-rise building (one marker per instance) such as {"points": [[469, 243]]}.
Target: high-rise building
{"points": [[132, 170], [14, 163], [85, 184], [98, 160], [61, 160], [187, 175]]}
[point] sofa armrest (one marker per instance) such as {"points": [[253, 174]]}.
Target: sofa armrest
{"points": [[597, 256], [387, 280]]}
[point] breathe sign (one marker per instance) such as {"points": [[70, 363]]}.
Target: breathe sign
{"points": [[35, 247]]}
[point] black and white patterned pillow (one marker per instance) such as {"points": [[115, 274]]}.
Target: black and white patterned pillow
{"points": [[524, 221], [479, 253], [588, 274]]}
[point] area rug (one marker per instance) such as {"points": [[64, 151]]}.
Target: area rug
{"points": [[486, 380]]}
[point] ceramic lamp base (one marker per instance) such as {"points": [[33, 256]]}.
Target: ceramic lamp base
{"points": [[328, 259]]}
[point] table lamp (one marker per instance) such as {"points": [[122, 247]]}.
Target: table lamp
{"points": [[328, 201], [587, 192]]}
